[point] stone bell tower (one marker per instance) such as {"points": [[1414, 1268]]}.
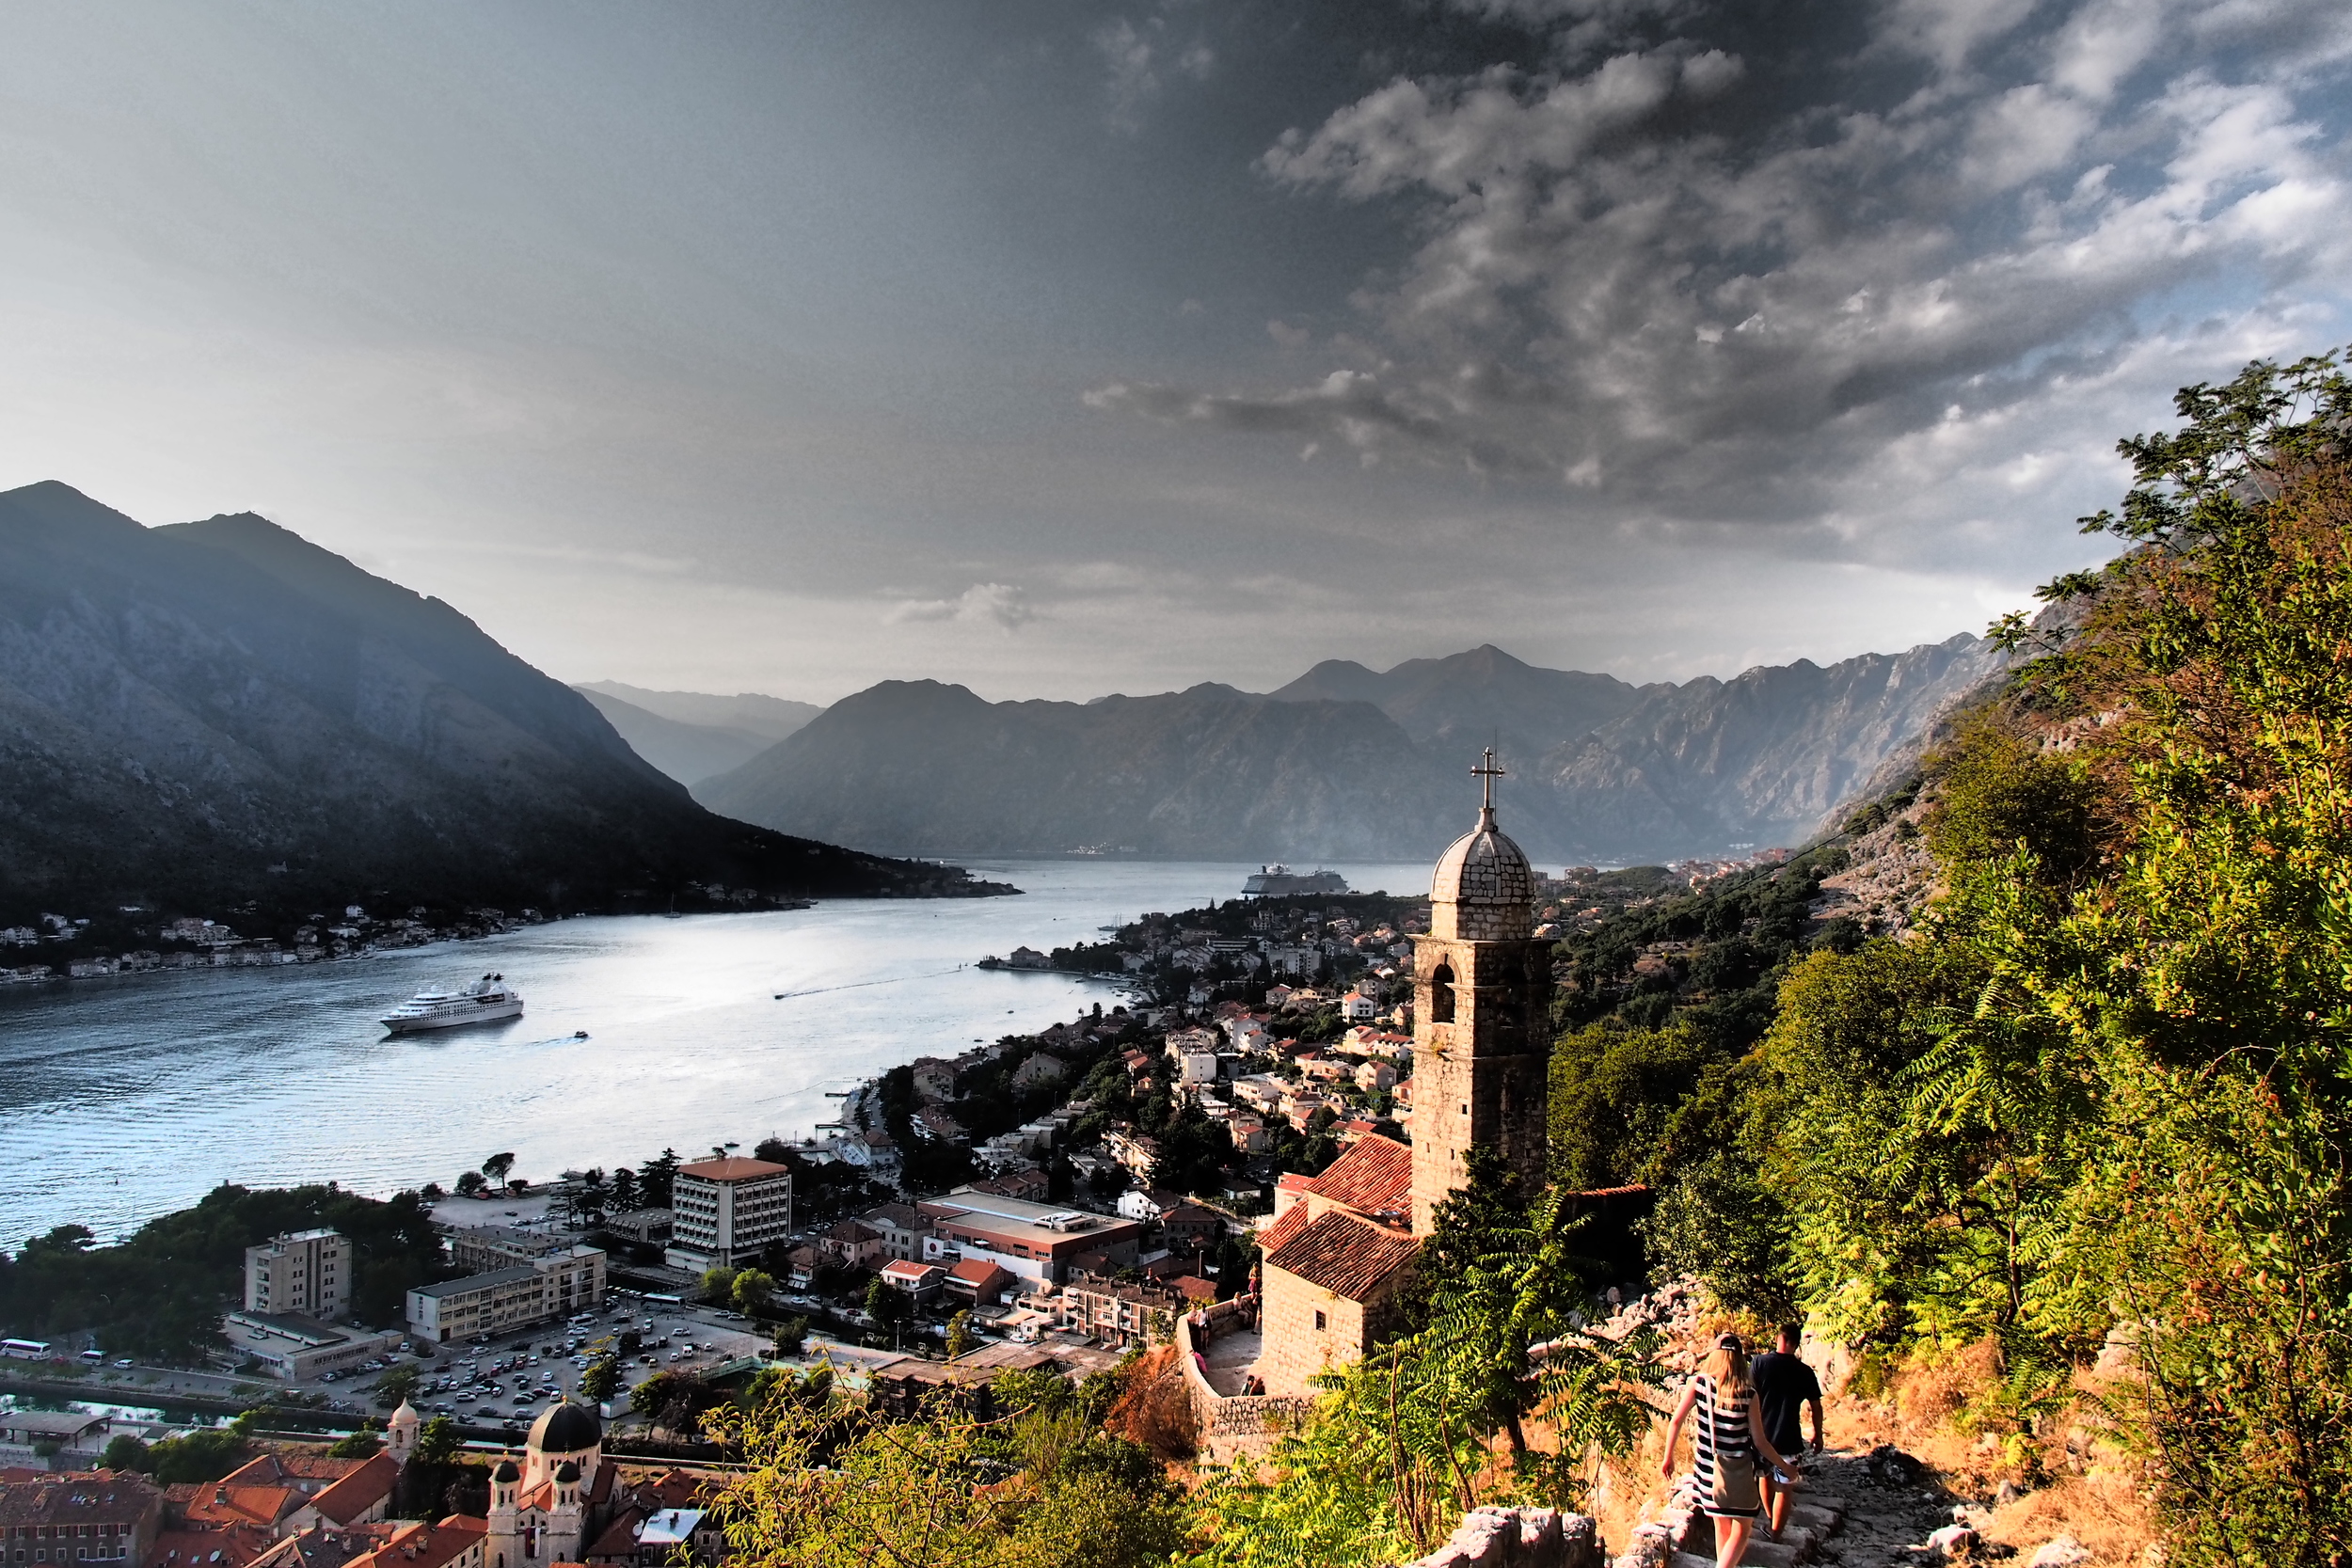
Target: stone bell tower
{"points": [[1482, 1015]]}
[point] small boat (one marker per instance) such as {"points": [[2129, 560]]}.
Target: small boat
{"points": [[485, 1001]]}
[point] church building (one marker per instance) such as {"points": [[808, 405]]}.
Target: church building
{"points": [[1336, 1259]]}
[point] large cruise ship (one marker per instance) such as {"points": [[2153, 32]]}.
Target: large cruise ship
{"points": [[485, 1001], [1280, 881]]}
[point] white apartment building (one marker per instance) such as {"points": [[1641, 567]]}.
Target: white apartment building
{"points": [[725, 1212], [542, 1290], [307, 1272]]}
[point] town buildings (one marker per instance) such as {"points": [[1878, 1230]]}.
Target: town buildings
{"points": [[545, 1290], [106, 1516], [1034, 1240], [728, 1211], [306, 1270]]}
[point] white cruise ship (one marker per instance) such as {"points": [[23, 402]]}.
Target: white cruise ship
{"points": [[486, 1000]]}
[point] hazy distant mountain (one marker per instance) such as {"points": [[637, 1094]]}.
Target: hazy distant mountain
{"points": [[927, 769], [198, 715], [687, 753], [752, 713], [1763, 758], [1345, 763], [1465, 702]]}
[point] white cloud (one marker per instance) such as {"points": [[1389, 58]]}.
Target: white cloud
{"points": [[1685, 303], [1002, 605]]}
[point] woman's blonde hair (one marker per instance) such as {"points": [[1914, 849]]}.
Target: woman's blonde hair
{"points": [[1727, 1364]]}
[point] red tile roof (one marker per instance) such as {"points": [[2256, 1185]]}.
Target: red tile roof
{"points": [[367, 1486], [220, 1504], [1294, 1220], [1374, 1177], [227, 1545], [977, 1272], [427, 1545], [1346, 1256]]}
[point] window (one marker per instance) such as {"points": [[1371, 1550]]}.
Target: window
{"points": [[1441, 994], [1319, 1322]]}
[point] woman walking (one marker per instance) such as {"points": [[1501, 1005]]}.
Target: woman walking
{"points": [[1730, 1445]]}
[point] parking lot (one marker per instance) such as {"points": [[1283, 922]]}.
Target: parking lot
{"points": [[514, 1376]]}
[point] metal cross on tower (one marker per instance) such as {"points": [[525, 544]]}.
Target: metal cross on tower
{"points": [[1486, 774]]}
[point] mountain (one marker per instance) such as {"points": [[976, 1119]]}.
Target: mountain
{"points": [[1347, 763], [1469, 700], [752, 713], [1765, 758], [929, 769], [206, 715], [685, 753]]}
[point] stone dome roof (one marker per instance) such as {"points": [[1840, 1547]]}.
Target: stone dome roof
{"points": [[405, 1415], [566, 1474], [506, 1472], [1484, 890], [566, 1428]]}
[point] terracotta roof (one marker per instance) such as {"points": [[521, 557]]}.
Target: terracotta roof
{"points": [[324, 1546], [368, 1484], [1192, 1288], [733, 1168], [1346, 1256], [31, 1496], [908, 1270], [620, 1537], [1294, 1220], [428, 1546], [978, 1271], [219, 1503], [1374, 1177], [226, 1545], [292, 1468]]}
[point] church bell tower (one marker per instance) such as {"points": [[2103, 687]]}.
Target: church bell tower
{"points": [[1482, 1015]]}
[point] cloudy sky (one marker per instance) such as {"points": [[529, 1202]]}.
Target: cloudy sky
{"points": [[1061, 349]]}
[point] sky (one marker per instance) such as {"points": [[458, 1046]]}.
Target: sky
{"points": [[1065, 349]]}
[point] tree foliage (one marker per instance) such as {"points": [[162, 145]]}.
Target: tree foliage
{"points": [[1038, 1485]]}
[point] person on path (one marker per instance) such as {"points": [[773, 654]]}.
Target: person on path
{"points": [[1730, 1446], [1784, 1386]]}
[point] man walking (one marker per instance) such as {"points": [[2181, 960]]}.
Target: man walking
{"points": [[1783, 1385]]}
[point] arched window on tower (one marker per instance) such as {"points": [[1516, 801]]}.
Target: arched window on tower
{"points": [[1441, 994]]}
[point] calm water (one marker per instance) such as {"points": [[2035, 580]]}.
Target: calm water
{"points": [[123, 1099]]}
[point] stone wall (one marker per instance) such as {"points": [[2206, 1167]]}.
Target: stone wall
{"points": [[1296, 1350], [1519, 1538], [1236, 1423]]}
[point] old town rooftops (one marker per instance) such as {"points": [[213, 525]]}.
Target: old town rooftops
{"points": [[1343, 1255], [1374, 1177]]}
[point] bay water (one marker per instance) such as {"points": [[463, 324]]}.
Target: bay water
{"points": [[125, 1097]]}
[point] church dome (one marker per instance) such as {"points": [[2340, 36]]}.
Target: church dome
{"points": [[405, 1415], [506, 1472], [567, 1474], [566, 1428], [1484, 889]]}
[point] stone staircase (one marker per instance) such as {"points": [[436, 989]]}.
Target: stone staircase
{"points": [[1854, 1510]]}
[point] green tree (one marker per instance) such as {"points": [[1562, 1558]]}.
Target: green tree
{"points": [[362, 1444], [791, 1335], [207, 1454], [960, 1336], [497, 1167], [471, 1184], [126, 1452], [602, 1378], [397, 1383], [718, 1285], [830, 1484], [753, 1290], [437, 1442]]}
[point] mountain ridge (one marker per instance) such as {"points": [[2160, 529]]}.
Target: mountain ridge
{"points": [[1347, 762], [220, 713]]}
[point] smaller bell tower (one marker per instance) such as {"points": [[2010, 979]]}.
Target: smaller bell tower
{"points": [[1481, 1015]]}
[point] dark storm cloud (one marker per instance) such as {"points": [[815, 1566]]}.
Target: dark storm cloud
{"points": [[1699, 262]]}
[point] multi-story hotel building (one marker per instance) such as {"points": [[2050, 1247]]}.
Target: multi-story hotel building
{"points": [[725, 1212]]}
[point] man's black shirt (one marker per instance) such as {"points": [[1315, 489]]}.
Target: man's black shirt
{"points": [[1783, 1385]]}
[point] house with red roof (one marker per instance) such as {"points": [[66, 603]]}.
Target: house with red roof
{"points": [[1333, 1262]]}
